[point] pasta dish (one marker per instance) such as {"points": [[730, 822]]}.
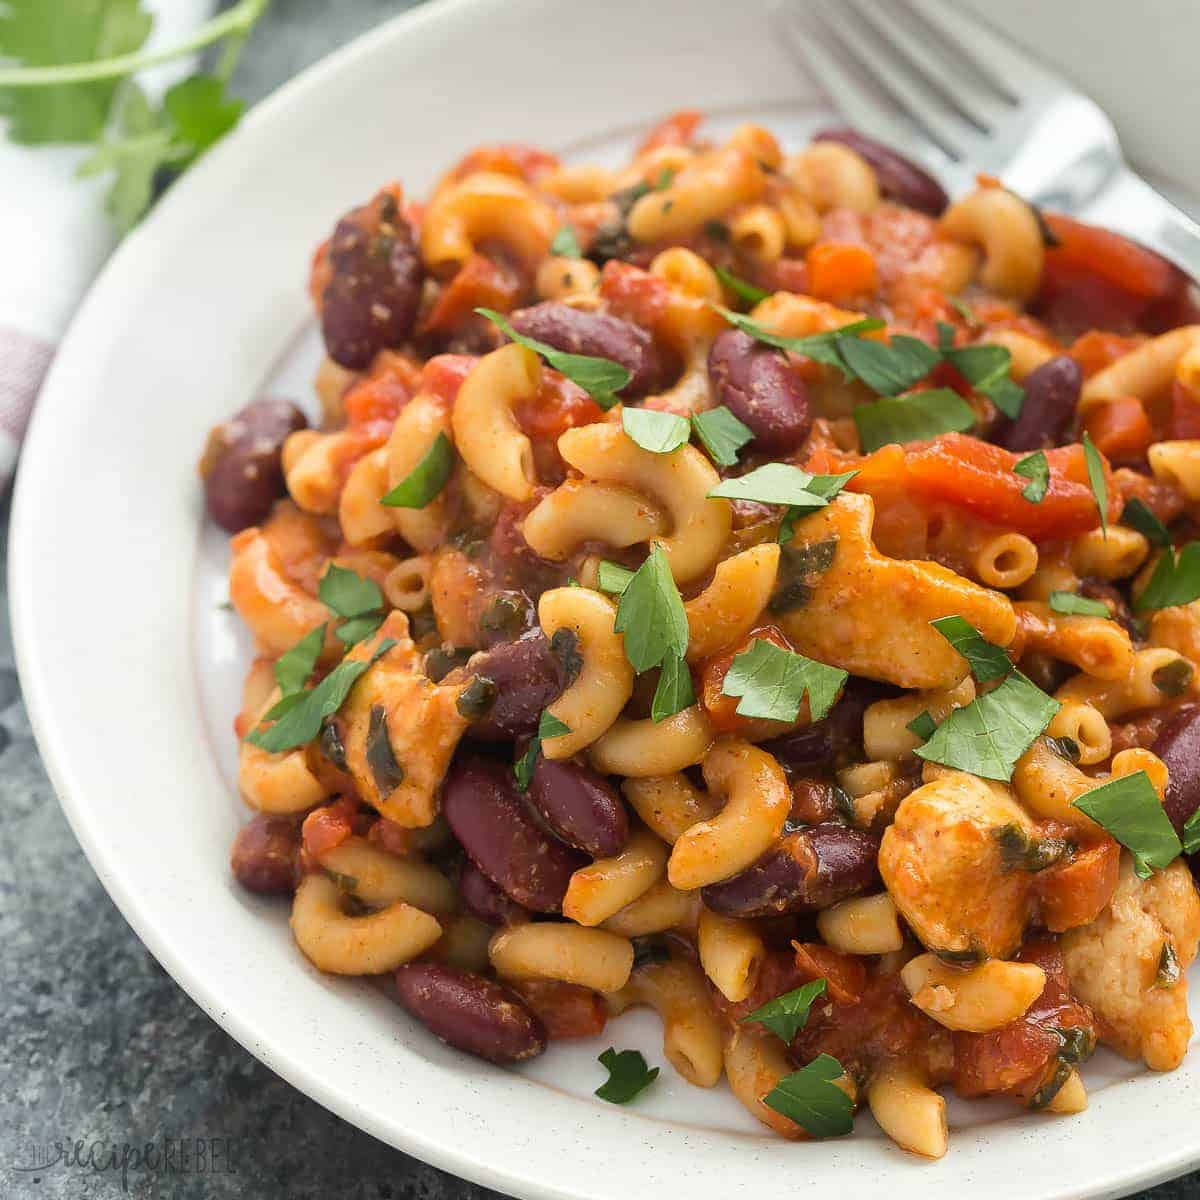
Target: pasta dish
{"points": [[748, 584]]}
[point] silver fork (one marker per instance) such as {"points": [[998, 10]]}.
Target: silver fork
{"points": [[928, 79]]}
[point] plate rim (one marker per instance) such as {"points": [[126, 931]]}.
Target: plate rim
{"points": [[23, 550]]}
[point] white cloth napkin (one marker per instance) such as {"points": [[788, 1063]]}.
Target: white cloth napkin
{"points": [[54, 238]]}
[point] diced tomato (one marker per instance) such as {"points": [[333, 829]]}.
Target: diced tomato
{"points": [[677, 129], [1108, 256], [508, 158], [565, 1009], [1075, 892], [844, 974], [376, 398], [840, 271], [480, 282], [633, 293], [1017, 1059], [558, 406], [1120, 429], [1097, 349], [1164, 500], [1183, 423], [443, 375], [1096, 279], [327, 827], [978, 477], [722, 709]]}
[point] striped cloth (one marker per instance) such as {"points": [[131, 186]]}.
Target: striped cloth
{"points": [[54, 238]]}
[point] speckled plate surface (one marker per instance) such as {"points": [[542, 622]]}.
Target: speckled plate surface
{"points": [[131, 665]]}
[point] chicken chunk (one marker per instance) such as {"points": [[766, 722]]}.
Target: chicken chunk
{"points": [[1128, 965], [399, 728], [842, 602], [948, 863]]}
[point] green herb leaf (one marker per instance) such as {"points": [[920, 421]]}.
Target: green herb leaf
{"points": [[1175, 580], [811, 1098], [988, 736], [599, 377], [820, 347], [40, 33], [674, 692], [650, 614], [721, 434], [348, 594], [1036, 468], [1138, 516], [548, 726], [627, 1075], [612, 578], [1078, 606], [358, 628], [566, 244], [916, 417], [293, 668], [786, 1015], [889, 368], [658, 432], [425, 481], [751, 293], [1191, 833], [1095, 472], [780, 483], [987, 661], [986, 368], [665, 177], [922, 726], [302, 721], [1129, 808], [772, 681]]}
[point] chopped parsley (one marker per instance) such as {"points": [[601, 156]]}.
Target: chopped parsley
{"points": [[1077, 606], [1130, 809], [601, 378], [987, 661], [658, 432], [548, 726], [566, 244], [628, 1075], [426, 480], [650, 614], [354, 598], [1138, 516], [674, 692], [612, 578], [295, 666], [1036, 468], [721, 434], [916, 417], [786, 1015], [812, 1099], [1175, 579], [1095, 474], [781, 483], [771, 683], [749, 292]]}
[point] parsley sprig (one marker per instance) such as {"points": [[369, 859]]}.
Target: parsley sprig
{"points": [[771, 683], [1129, 808], [987, 736], [92, 98], [628, 1075], [812, 1099]]}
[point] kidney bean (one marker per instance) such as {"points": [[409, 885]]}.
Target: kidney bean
{"points": [[485, 900], [374, 288], [805, 871], [242, 464], [603, 336], [266, 855], [762, 389], [470, 1012], [1051, 394], [581, 806], [1178, 745], [495, 827], [528, 675], [899, 179]]}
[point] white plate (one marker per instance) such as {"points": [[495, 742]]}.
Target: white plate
{"points": [[128, 664]]}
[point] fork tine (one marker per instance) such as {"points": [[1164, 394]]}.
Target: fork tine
{"points": [[1009, 69], [981, 104], [924, 106], [852, 99]]}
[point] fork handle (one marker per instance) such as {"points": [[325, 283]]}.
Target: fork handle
{"points": [[1129, 205]]}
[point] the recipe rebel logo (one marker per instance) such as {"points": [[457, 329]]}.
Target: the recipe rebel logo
{"points": [[99, 1156]]}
